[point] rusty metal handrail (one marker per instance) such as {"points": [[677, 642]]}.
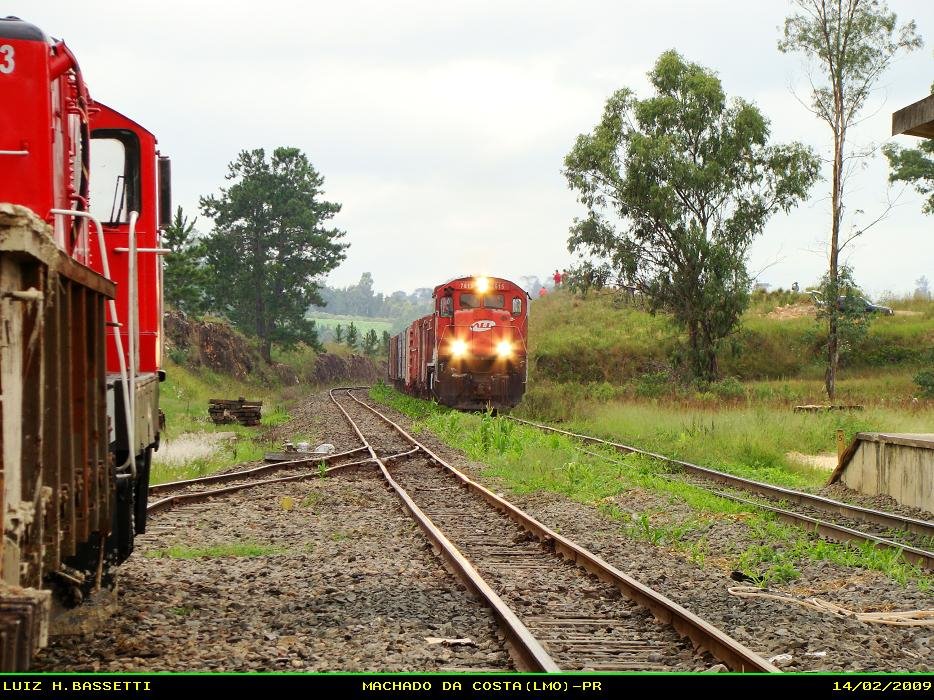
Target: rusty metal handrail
{"points": [[118, 341]]}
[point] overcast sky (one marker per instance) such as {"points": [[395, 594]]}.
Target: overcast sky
{"points": [[441, 127]]}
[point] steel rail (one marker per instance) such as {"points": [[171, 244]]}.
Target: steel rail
{"points": [[701, 633], [205, 494], [830, 531], [829, 505], [526, 649], [157, 489]]}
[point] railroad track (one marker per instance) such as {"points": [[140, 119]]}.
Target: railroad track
{"points": [[851, 523], [194, 490], [553, 614]]}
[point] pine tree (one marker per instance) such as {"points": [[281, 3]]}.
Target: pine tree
{"points": [[184, 279], [269, 248], [370, 342]]}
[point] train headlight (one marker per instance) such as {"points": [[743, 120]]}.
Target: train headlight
{"points": [[504, 348], [482, 284], [458, 348]]}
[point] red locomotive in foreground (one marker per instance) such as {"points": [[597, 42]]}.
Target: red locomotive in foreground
{"points": [[83, 194], [471, 352]]}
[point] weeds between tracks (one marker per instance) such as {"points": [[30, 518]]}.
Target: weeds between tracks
{"points": [[528, 461]]}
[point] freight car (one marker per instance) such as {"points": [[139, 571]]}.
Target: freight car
{"points": [[470, 353], [83, 193]]}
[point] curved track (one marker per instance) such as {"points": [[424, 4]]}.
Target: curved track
{"points": [[553, 616], [848, 517]]}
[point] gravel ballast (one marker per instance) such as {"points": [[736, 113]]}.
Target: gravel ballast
{"points": [[814, 641], [344, 582]]}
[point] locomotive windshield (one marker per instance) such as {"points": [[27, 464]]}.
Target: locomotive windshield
{"points": [[115, 183], [487, 301]]}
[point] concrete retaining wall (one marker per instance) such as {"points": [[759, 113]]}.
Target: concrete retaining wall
{"points": [[897, 465]]}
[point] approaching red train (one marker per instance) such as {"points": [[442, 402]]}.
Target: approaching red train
{"points": [[83, 194], [471, 352]]}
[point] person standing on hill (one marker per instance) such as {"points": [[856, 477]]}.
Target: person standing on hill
{"points": [[557, 278]]}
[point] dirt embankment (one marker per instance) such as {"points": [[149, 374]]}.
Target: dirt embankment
{"points": [[220, 348], [803, 309]]}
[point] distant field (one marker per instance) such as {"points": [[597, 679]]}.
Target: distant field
{"points": [[363, 323]]}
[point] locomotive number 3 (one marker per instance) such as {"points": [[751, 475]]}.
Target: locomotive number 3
{"points": [[6, 59]]}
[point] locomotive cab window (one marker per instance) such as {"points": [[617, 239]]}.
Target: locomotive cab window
{"points": [[517, 306], [469, 301], [446, 306], [494, 301], [115, 175]]}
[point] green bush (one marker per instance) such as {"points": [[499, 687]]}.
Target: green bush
{"points": [[652, 384], [603, 391], [925, 380], [178, 355], [729, 388]]}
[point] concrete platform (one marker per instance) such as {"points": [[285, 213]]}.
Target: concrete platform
{"points": [[900, 465]]}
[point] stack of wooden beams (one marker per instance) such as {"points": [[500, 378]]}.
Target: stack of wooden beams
{"points": [[235, 411]]}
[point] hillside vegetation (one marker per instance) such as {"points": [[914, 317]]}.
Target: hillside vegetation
{"points": [[207, 358], [608, 345]]}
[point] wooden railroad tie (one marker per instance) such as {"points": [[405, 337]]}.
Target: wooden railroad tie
{"points": [[224, 411]]}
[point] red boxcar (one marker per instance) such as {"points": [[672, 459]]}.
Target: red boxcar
{"points": [[83, 192], [471, 352]]}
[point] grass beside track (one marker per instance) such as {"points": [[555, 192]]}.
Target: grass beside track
{"points": [[530, 460], [231, 549], [184, 399], [743, 439]]}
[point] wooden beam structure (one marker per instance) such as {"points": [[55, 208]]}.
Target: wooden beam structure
{"points": [[916, 119]]}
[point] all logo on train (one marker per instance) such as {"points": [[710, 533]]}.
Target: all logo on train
{"points": [[481, 326]]}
